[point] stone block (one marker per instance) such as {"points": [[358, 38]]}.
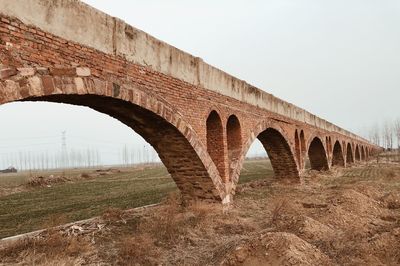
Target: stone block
{"points": [[7, 72], [83, 71], [26, 71]]}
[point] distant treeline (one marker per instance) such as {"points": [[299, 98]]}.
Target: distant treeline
{"points": [[85, 158], [28, 160], [386, 135]]}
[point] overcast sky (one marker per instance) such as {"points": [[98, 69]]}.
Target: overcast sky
{"points": [[337, 59]]}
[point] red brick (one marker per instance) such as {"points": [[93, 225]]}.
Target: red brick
{"points": [[7, 72]]}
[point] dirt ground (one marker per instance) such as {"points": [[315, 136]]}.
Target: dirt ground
{"points": [[24, 183], [341, 217]]}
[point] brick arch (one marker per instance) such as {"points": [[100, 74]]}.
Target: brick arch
{"points": [[176, 143], [286, 163], [337, 155], [317, 155], [328, 144], [297, 146], [349, 154], [280, 153], [303, 149], [314, 135], [363, 153], [357, 153], [215, 141], [234, 142]]}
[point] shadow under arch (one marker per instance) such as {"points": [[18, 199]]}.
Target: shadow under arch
{"points": [[297, 146], [363, 157], [337, 155], [160, 125], [349, 154], [215, 141], [317, 155], [279, 151], [357, 155]]}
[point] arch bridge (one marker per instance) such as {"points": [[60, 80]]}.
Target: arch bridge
{"points": [[199, 119]]}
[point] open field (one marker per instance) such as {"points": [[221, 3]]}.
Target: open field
{"points": [[341, 217], [30, 208]]}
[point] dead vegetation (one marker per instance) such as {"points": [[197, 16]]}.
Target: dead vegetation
{"points": [[342, 217], [48, 248], [47, 181], [42, 181]]}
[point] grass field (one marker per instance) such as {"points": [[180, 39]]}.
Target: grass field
{"points": [[31, 210]]}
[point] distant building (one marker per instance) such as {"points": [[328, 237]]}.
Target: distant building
{"points": [[9, 170]]}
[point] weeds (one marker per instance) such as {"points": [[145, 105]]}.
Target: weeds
{"points": [[164, 228], [278, 211], [137, 250], [45, 247], [112, 215], [41, 181]]}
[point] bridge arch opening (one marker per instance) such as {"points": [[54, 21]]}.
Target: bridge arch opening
{"points": [[234, 139], [215, 141], [317, 155], [302, 148], [279, 153], [297, 146], [302, 142], [357, 155], [349, 154], [174, 149], [337, 156], [363, 153], [94, 184], [267, 156]]}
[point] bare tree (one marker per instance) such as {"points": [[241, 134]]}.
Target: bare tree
{"points": [[396, 129], [387, 132], [375, 135]]}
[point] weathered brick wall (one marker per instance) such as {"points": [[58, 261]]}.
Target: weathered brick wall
{"points": [[64, 67]]}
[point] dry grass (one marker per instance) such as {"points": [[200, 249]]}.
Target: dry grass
{"points": [[389, 173], [284, 216], [112, 215], [46, 248], [346, 218], [140, 250], [278, 211], [163, 229], [165, 225]]}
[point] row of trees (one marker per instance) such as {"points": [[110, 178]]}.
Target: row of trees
{"points": [[31, 160], [386, 135], [84, 158], [132, 156]]}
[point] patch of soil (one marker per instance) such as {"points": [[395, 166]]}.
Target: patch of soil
{"points": [[46, 181], [276, 248]]}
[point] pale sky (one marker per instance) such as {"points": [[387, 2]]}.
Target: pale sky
{"points": [[337, 59]]}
